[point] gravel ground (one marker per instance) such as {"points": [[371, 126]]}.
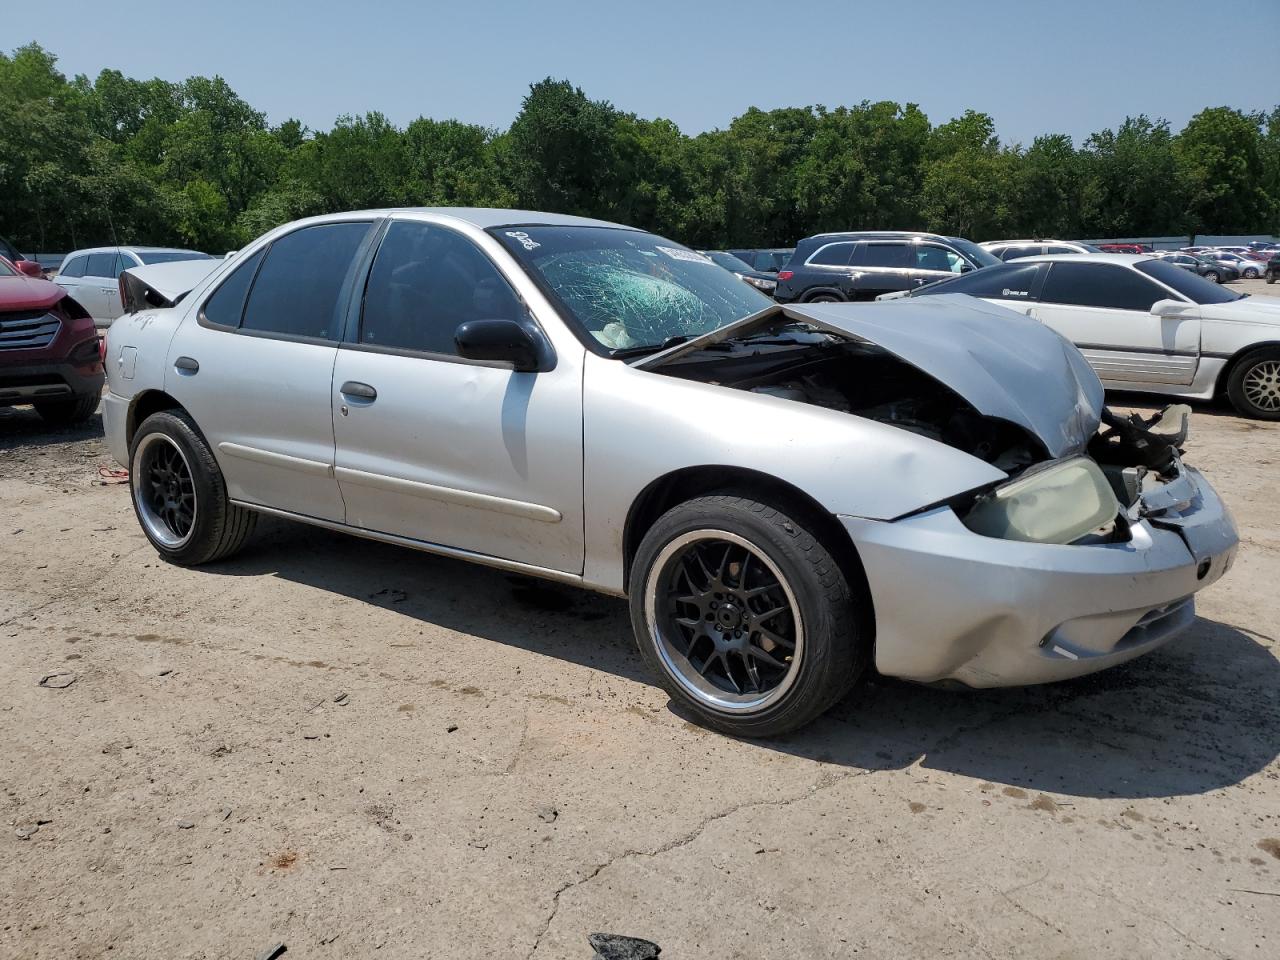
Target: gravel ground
{"points": [[346, 747]]}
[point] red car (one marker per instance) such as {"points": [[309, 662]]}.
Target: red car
{"points": [[1138, 248], [49, 354]]}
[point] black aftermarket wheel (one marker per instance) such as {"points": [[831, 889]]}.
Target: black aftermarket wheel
{"points": [[744, 616], [179, 494]]}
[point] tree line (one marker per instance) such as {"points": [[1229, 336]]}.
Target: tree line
{"points": [[86, 162]]}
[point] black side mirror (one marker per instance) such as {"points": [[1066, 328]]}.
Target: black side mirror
{"points": [[497, 340]]}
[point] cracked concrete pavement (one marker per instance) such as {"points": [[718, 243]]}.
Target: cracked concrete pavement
{"points": [[502, 779]]}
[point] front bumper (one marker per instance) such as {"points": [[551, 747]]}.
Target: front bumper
{"points": [[953, 605], [31, 382]]}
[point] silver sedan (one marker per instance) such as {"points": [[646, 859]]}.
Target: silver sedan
{"points": [[788, 496]]}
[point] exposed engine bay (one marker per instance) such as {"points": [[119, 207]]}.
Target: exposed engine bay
{"points": [[867, 381], [1137, 459]]}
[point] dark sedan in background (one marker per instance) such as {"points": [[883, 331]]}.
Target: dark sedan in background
{"points": [[1217, 271], [764, 282]]}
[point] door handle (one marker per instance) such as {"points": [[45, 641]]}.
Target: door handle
{"points": [[355, 390], [186, 366]]}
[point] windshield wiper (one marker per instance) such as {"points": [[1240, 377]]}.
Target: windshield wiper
{"points": [[624, 352]]}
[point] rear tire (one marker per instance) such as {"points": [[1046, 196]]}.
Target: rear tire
{"points": [[824, 298], [179, 494], [1254, 384], [759, 638], [68, 413], [1213, 277]]}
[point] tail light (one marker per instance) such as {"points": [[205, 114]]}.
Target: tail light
{"points": [[786, 274]]}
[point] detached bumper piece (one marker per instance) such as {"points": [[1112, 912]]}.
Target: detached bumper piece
{"points": [[953, 605]]}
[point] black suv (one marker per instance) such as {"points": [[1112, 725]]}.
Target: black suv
{"points": [[1272, 273], [862, 265]]}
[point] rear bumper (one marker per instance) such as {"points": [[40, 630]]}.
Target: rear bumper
{"points": [[30, 382], [952, 605]]}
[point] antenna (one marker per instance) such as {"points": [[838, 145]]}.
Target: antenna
{"points": [[112, 224]]}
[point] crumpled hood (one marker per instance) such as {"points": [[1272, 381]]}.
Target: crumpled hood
{"points": [[1003, 363]]}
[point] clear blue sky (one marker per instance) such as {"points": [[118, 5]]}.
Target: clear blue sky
{"points": [[1038, 66]]}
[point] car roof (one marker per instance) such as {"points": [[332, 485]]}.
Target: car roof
{"points": [[1128, 259], [130, 248], [989, 244], [486, 217], [884, 235]]}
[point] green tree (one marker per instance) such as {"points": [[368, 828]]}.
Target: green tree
{"points": [[560, 151], [1131, 182], [1219, 162]]}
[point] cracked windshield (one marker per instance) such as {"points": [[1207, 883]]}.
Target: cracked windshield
{"points": [[631, 290]]}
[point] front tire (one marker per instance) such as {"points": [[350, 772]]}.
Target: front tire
{"points": [[179, 494], [744, 616], [1212, 277], [1251, 274], [68, 413], [1254, 384]]}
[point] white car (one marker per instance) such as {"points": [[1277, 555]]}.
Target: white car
{"points": [[1145, 324], [92, 276]]}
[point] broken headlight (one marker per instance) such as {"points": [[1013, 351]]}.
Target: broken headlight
{"points": [[1058, 503]]}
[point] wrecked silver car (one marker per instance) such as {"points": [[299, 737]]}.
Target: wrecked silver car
{"points": [[788, 496]]}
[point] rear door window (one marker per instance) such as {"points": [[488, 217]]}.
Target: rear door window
{"points": [[426, 281], [226, 307], [833, 255], [931, 257], [1017, 281], [123, 262], [1022, 250], [74, 267], [880, 255], [298, 289], [101, 265], [1099, 285]]}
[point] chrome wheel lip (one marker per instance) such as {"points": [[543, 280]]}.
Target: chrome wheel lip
{"points": [[677, 665], [153, 523], [1261, 385]]}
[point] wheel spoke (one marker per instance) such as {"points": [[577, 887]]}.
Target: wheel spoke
{"points": [[771, 613], [712, 657], [757, 654]]}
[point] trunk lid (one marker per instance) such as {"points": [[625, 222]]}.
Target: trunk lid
{"points": [[162, 284]]}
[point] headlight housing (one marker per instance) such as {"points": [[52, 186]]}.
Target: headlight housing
{"points": [[1057, 503]]}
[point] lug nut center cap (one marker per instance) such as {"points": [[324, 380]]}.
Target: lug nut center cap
{"points": [[729, 617]]}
